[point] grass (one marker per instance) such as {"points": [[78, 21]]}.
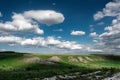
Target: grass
{"points": [[13, 67]]}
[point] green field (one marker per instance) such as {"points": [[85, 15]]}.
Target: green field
{"points": [[24, 66]]}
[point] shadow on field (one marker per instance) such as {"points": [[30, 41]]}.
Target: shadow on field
{"points": [[41, 71], [110, 57], [10, 54]]}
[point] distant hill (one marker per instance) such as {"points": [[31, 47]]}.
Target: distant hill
{"points": [[7, 52]]}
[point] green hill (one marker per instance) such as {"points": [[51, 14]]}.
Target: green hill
{"points": [[23, 66]]}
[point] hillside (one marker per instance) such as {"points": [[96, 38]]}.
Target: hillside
{"points": [[23, 66]]}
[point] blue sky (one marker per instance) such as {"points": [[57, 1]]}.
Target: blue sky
{"points": [[58, 26]]}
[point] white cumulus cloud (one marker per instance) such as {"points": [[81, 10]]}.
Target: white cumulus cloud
{"points": [[93, 34], [10, 39], [40, 42], [49, 42], [29, 21], [110, 39], [20, 24], [69, 45], [48, 17], [77, 33], [111, 9]]}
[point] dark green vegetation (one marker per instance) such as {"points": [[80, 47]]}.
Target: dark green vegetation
{"points": [[22, 66]]}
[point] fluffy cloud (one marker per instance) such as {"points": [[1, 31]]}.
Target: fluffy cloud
{"points": [[37, 42], [48, 17], [52, 41], [98, 16], [29, 21], [93, 34], [110, 39], [40, 42], [20, 24], [108, 28], [93, 50], [69, 45], [49, 42], [77, 33], [10, 39], [111, 9]]}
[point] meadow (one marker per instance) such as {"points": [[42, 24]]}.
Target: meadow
{"points": [[28, 66]]}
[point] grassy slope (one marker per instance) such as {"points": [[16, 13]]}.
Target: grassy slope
{"points": [[13, 66]]}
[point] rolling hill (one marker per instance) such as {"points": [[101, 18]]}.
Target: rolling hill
{"points": [[25, 66]]}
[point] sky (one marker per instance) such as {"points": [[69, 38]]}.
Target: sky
{"points": [[60, 26]]}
